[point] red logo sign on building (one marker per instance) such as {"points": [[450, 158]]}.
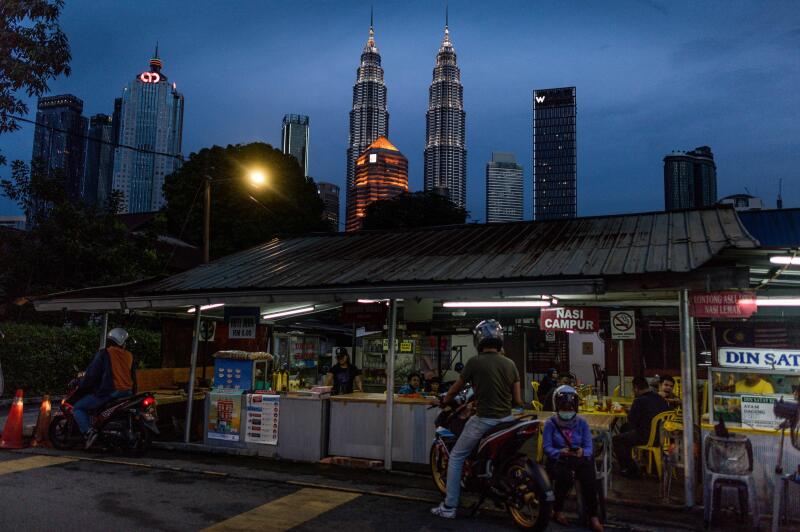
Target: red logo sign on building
{"points": [[570, 319], [150, 77], [364, 313], [724, 304]]}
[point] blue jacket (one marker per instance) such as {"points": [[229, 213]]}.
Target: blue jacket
{"points": [[580, 436]]}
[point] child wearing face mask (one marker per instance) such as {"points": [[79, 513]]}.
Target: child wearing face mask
{"points": [[567, 443]]}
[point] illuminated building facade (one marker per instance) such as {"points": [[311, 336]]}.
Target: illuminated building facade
{"points": [[555, 164], [445, 152], [294, 139], [151, 119], [503, 188], [329, 194], [99, 159], [690, 179], [381, 173]]}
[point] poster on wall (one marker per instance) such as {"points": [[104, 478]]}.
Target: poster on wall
{"points": [[262, 419], [757, 412], [225, 416]]}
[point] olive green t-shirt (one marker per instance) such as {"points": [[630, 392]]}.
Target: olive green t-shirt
{"points": [[492, 376]]}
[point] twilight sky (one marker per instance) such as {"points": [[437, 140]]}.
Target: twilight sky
{"points": [[652, 76]]}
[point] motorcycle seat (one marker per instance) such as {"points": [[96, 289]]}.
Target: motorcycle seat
{"points": [[500, 427]]}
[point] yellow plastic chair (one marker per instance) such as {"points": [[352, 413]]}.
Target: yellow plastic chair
{"points": [[654, 444], [540, 447], [677, 389], [537, 405], [535, 386], [615, 393]]}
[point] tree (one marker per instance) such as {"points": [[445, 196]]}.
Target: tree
{"points": [[415, 209], [242, 215]]}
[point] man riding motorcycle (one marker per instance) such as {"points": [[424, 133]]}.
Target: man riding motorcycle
{"points": [[495, 380], [110, 375]]}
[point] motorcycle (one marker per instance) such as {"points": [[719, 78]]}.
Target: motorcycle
{"points": [[496, 469], [125, 424]]}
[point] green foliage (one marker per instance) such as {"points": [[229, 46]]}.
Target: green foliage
{"points": [[40, 358], [417, 209], [242, 215]]}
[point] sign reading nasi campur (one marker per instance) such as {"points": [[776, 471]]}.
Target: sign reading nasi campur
{"points": [[756, 358], [570, 319]]}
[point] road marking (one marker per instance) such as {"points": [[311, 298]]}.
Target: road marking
{"points": [[33, 462], [286, 512]]}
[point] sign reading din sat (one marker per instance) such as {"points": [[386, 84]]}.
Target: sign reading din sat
{"points": [[623, 325]]}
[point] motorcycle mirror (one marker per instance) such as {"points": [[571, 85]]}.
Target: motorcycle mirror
{"points": [[75, 368], [2, 334]]}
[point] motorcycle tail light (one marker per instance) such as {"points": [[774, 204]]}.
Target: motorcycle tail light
{"points": [[148, 401]]}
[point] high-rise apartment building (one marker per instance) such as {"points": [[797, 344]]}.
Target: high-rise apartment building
{"points": [[151, 120], [445, 152], [381, 173], [329, 194], [555, 174], [99, 160], [369, 118], [59, 142], [503, 188], [690, 179], [294, 135]]}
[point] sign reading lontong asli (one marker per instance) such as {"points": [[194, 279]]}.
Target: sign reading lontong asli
{"points": [[723, 304], [570, 319]]}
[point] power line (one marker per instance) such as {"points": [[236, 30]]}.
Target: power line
{"points": [[87, 137]]}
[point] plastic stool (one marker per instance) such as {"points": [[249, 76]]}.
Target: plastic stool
{"points": [[745, 486]]}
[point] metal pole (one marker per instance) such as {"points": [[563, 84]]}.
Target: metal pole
{"points": [[206, 218], [193, 367], [686, 392], [693, 366], [105, 331], [387, 451], [621, 364]]}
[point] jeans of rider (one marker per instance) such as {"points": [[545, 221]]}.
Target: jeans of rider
{"points": [[473, 431], [80, 411], [562, 471]]}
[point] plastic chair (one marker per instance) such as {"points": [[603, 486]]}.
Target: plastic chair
{"points": [[537, 405], [728, 463], [654, 444], [677, 389], [535, 386], [615, 393]]}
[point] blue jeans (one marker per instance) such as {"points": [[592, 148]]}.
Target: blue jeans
{"points": [[80, 411], [473, 431]]}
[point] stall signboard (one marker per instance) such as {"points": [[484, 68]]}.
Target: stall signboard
{"points": [[233, 375], [406, 346], [758, 358], [364, 313], [623, 324], [570, 319], [723, 304], [262, 418], [758, 413], [242, 322], [224, 416]]}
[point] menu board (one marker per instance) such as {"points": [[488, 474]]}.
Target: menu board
{"points": [[757, 412], [233, 374], [262, 418], [225, 416]]}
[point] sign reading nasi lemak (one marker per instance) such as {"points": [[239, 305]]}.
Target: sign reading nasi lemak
{"points": [[756, 358]]}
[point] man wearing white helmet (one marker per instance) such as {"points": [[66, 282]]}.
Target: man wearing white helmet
{"points": [[109, 376]]}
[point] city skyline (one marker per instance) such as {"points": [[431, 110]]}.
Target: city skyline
{"points": [[623, 90]]}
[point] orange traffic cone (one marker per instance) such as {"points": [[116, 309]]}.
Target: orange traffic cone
{"points": [[12, 432], [41, 436]]}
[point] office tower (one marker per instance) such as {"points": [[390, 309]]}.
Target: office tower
{"points": [[59, 142], [690, 179], [381, 173], [555, 174], [151, 120], [445, 153], [503, 188], [13, 222], [369, 119], [99, 160], [329, 194], [295, 139]]}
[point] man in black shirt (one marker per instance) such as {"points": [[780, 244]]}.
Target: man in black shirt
{"points": [[343, 376], [647, 405]]}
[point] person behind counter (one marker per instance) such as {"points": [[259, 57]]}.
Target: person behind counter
{"points": [[412, 386], [343, 376], [433, 385], [753, 383], [647, 405], [666, 389], [548, 383]]}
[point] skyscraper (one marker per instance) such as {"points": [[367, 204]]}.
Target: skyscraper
{"points": [[503, 188], [445, 152], [59, 142], [329, 194], [295, 139], [99, 160], [381, 173], [555, 173], [369, 118], [690, 179], [151, 119]]}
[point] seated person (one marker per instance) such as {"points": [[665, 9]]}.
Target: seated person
{"points": [[433, 385], [414, 385], [647, 405], [567, 443], [548, 383], [547, 400], [753, 383], [665, 390]]}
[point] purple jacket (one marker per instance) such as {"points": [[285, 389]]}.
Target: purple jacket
{"points": [[580, 436]]}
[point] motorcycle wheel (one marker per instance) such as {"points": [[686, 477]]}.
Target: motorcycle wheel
{"points": [[140, 440], [534, 512], [61, 432], [439, 468]]}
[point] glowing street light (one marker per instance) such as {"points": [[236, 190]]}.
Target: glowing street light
{"points": [[258, 178]]}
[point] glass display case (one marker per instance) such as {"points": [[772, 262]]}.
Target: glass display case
{"points": [[301, 354], [375, 349]]}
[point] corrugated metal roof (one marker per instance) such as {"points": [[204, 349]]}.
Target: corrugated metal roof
{"points": [[582, 247], [774, 227]]}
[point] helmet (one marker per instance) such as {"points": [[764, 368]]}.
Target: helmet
{"points": [[565, 395], [488, 333], [118, 335]]}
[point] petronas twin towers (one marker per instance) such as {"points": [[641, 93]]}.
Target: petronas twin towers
{"points": [[445, 154]]}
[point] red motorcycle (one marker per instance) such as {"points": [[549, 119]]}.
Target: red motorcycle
{"points": [[496, 469], [126, 424]]}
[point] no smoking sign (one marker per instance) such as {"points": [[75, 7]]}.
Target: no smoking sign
{"points": [[623, 325]]}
